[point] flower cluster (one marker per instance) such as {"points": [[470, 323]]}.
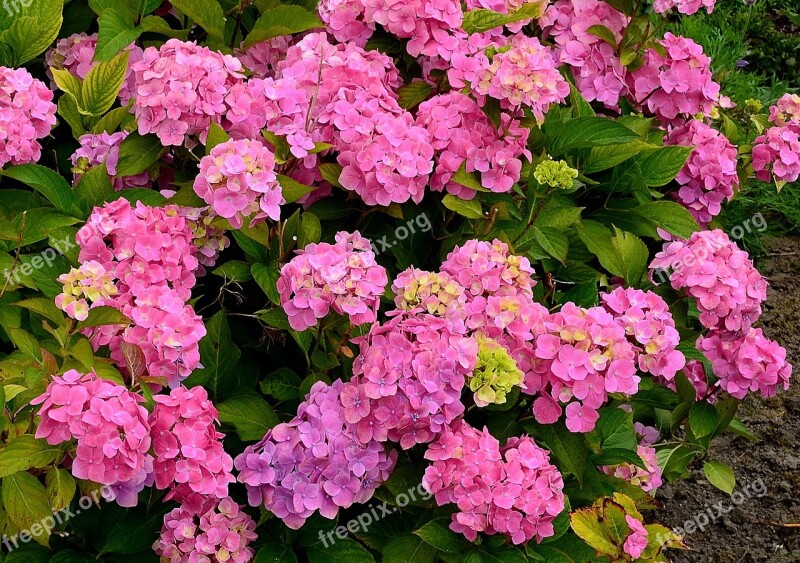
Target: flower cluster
{"points": [[343, 277], [181, 88], [695, 372], [496, 374], [75, 54], [152, 256], [314, 462], [786, 110], [637, 541], [27, 113], [583, 355], [189, 458], [748, 362], [262, 58], [776, 153], [718, 275], [709, 176], [103, 148], [650, 328], [212, 533], [555, 174], [514, 490], [462, 135], [408, 380], [238, 180], [433, 293], [649, 477], [598, 70], [108, 422], [83, 286], [676, 84], [208, 239], [687, 7], [521, 73]]}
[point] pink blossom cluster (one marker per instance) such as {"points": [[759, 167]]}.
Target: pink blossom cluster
{"points": [[181, 88], [75, 54], [746, 362], [83, 286], [636, 542], [103, 148], [462, 135], [313, 462], [786, 110], [151, 253], [189, 458], [108, 422], [437, 294], [408, 380], [776, 153], [343, 277], [718, 275], [650, 327], [27, 113], [514, 490], [584, 355], [709, 177], [687, 7], [695, 372], [677, 84], [522, 73], [212, 533], [598, 70], [238, 180], [426, 23], [649, 477], [262, 58], [208, 239]]}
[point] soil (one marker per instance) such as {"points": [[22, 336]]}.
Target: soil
{"points": [[762, 521]]}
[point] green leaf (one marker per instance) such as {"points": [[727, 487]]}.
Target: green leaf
{"points": [[720, 475], [205, 13], [588, 132], [632, 256], [669, 216], [134, 532], [275, 553], [48, 183], [25, 452], [478, 21], [293, 190], [219, 356], [25, 342], [330, 173], [471, 209], [95, 187], [35, 25], [586, 524], [266, 276], [408, 549], [310, 230], [216, 136], [553, 242], [60, 488], [235, 270], [660, 167], [282, 20], [342, 551], [101, 86], [68, 110], [603, 158], [115, 32], [251, 416], [157, 24], [703, 419], [413, 94], [615, 428], [602, 32], [568, 447], [440, 536], [282, 384], [25, 503], [468, 179], [673, 461], [102, 316], [137, 154], [44, 307]]}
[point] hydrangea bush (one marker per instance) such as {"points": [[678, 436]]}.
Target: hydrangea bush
{"points": [[269, 268]]}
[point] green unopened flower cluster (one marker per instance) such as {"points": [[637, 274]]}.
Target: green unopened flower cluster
{"points": [[496, 373], [555, 173]]}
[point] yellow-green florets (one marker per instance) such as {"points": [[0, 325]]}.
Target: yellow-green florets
{"points": [[496, 373], [555, 173]]}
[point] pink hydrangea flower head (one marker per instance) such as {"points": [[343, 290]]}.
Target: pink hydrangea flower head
{"points": [[343, 277], [487, 268], [87, 284], [709, 177], [676, 85], [648, 479], [636, 542], [433, 293], [238, 180], [262, 58], [687, 7], [746, 363], [107, 421], [27, 113], [219, 531], [209, 240], [314, 462], [344, 19], [462, 135], [514, 490], [776, 154], [786, 110], [718, 275], [181, 88], [189, 457], [103, 148]]}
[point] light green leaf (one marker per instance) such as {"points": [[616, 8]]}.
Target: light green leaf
{"points": [[26, 452], [25, 502], [102, 316], [703, 419], [660, 167], [720, 475], [478, 21], [116, 31], [471, 209], [205, 13], [137, 154], [553, 242], [101, 86], [25, 342], [669, 216], [216, 136], [310, 230], [282, 20], [60, 488], [588, 132], [35, 25], [603, 158], [293, 190], [586, 524], [48, 183]]}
